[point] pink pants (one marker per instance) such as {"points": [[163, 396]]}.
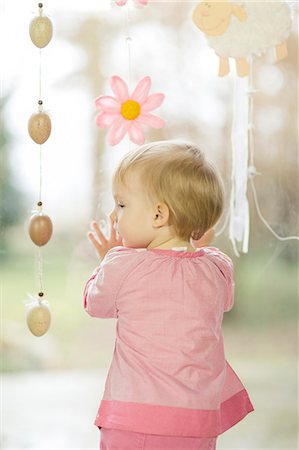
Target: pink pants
{"points": [[129, 440]]}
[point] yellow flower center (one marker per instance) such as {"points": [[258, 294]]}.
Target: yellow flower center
{"points": [[130, 109]]}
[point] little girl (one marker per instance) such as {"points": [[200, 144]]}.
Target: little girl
{"points": [[169, 385]]}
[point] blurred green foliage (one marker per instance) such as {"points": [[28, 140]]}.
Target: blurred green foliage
{"points": [[266, 298], [10, 196], [266, 293]]}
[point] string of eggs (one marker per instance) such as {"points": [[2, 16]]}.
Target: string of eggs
{"points": [[40, 225]]}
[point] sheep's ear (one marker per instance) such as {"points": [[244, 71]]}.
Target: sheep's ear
{"points": [[239, 12]]}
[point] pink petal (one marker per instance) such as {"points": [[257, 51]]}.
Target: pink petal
{"points": [[119, 88], [105, 120], [120, 2], [142, 89], [107, 104], [151, 120], [118, 131], [135, 133], [152, 102], [142, 2]]}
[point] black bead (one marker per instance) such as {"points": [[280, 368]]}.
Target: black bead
{"points": [[40, 294], [40, 204], [40, 102], [40, 5]]}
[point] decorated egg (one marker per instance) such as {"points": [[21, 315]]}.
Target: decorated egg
{"points": [[38, 319], [41, 31], [40, 228], [39, 127]]}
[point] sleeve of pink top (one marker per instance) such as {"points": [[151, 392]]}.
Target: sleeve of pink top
{"points": [[225, 265], [101, 289]]}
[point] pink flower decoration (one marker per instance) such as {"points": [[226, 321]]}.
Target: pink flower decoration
{"points": [[126, 113], [123, 2]]}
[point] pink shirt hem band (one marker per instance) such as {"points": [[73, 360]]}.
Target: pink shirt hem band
{"points": [[173, 421]]}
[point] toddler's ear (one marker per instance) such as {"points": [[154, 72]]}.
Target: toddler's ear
{"points": [[161, 215]]}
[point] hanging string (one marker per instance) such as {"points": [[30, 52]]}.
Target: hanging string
{"points": [[39, 249], [40, 103], [39, 256], [252, 169], [40, 11], [280, 238], [40, 174], [39, 269], [40, 74], [129, 53], [129, 42]]}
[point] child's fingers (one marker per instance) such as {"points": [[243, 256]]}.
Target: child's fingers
{"points": [[99, 232], [93, 240], [95, 243]]}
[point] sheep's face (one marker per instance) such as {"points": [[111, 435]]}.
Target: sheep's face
{"points": [[213, 17]]}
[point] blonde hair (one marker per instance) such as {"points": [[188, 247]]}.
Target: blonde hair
{"points": [[177, 174]]}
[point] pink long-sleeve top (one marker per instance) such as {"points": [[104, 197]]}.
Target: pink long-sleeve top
{"points": [[168, 375]]}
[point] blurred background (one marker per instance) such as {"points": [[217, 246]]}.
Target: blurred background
{"points": [[51, 386]]}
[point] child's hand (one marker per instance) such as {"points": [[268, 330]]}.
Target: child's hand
{"points": [[99, 240], [205, 240]]}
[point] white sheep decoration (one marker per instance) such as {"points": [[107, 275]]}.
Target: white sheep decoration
{"points": [[242, 29]]}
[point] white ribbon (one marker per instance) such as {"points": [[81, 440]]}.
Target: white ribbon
{"points": [[239, 210], [32, 301]]}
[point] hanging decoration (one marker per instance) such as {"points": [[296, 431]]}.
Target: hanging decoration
{"points": [[138, 2], [38, 316], [40, 226], [127, 113], [243, 31], [41, 30], [39, 127]]}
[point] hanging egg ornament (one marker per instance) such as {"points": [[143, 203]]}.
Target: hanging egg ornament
{"points": [[41, 30], [40, 228], [38, 319], [39, 127]]}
